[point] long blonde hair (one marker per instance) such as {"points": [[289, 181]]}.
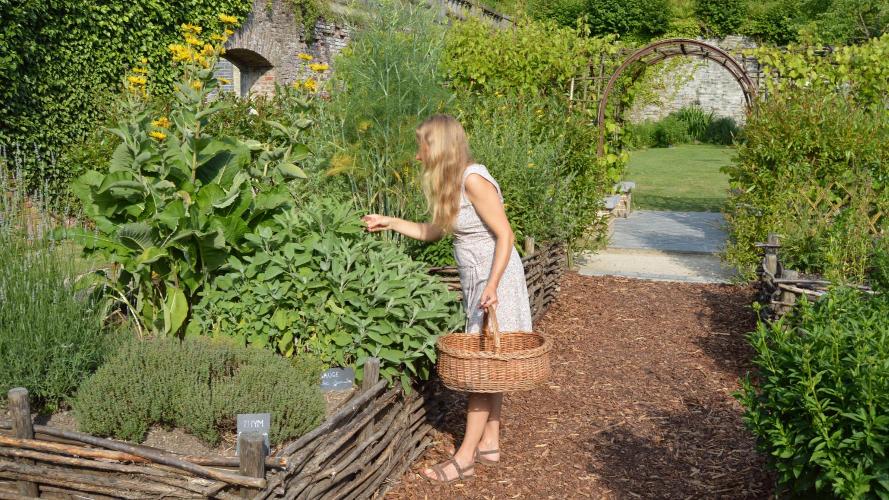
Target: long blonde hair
{"points": [[446, 157]]}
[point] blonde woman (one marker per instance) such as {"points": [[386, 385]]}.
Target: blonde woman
{"points": [[467, 202]]}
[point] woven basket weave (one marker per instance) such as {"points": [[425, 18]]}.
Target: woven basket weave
{"points": [[493, 361]]}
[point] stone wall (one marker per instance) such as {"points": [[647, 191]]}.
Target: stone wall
{"points": [[700, 82]]}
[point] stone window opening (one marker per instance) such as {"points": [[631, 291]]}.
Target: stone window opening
{"points": [[249, 73]]}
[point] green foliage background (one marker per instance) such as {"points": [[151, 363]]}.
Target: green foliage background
{"points": [[778, 22], [813, 166], [62, 61]]}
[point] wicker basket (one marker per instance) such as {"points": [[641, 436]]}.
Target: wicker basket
{"points": [[493, 362]]}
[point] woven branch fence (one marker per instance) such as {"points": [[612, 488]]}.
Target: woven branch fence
{"points": [[356, 453], [779, 288], [543, 271]]}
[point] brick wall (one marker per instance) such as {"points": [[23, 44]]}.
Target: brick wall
{"points": [[263, 51]]}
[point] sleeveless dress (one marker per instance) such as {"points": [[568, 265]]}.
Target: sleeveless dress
{"points": [[474, 247]]}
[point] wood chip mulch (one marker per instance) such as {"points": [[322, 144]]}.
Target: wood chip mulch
{"points": [[639, 406]]}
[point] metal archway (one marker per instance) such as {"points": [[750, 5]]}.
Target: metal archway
{"points": [[665, 49]]}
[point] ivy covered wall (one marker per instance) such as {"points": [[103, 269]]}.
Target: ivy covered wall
{"points": [[61, 61]]}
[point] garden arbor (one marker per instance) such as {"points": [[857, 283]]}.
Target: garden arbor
{"points": [[665, 49]]}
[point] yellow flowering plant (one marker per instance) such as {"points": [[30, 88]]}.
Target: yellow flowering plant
{"points": [[175, 201]]}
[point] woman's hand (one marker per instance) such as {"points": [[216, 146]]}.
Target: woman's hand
{"points": [[489, 298], [376, 223]]}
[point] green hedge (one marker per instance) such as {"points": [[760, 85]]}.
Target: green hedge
{"points": [[812, 168], [199, 385], [819, 401]]}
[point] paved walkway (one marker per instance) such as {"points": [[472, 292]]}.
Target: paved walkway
{"points": [[664, 246], [684, 232]]}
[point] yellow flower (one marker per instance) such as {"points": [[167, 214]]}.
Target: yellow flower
{"points": [[223, 81], [217, 37], [157, 135], [137, 80], [197, 85], [180, 52], [304, 56], [297, 84], [143, 60], [208, 50], [226, 19], [191, 40], [319, 68], [311, 85], [190, 28], [162, 122], [363, 126], [228, 32], [531, 165], [140, 70], [202, 61]]}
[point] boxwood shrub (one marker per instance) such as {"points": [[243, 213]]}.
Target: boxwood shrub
{"points": [[198, 385], [819, 402]]}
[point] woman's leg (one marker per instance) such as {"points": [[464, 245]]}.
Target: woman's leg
{"points": [[491, 437], [477, 412]]}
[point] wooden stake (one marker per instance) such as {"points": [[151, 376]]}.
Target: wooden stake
{"points": [[770, 261], [22, 428], [529, 245], [252, 454], [371, 377]]}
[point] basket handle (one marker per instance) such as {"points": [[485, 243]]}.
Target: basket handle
{"points": [[492, 328]]}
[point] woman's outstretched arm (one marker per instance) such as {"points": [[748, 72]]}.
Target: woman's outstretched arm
{"points": [[486, 200], [415, 230]]}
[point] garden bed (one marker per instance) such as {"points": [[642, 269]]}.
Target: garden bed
{"points": [[369, 439]]}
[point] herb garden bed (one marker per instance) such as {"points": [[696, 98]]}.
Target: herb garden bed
{"points": [[371, 438]]}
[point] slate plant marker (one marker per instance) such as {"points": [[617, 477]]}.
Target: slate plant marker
{"points": [[259, 423]]}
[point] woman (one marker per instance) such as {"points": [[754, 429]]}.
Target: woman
{"points": [[466, 201]]}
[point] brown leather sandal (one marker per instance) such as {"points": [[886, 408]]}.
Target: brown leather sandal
{"points": [[441, 476], [485, 461]]}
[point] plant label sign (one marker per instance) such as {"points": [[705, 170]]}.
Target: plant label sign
{"points": [[260, 423], [337, 379]]}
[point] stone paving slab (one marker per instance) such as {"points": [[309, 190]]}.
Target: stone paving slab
{"points": [[685, 232], [655, 265]]}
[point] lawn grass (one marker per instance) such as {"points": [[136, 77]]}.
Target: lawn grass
{"points": [[683, 178]]}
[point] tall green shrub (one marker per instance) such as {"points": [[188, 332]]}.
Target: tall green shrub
{"points": [[176, 200], [528, 145], [386, 82], [819, 401], [51, 334], [199, 385], [721, 17], [812, 168], [315, 281], [533, 57], [638, 19]]}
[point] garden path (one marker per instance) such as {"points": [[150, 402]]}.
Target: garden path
{"points": [[663, 246], [639, 405]]}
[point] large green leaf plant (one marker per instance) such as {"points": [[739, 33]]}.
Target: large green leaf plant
{"points": [[175, 202], [317, 282]]}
